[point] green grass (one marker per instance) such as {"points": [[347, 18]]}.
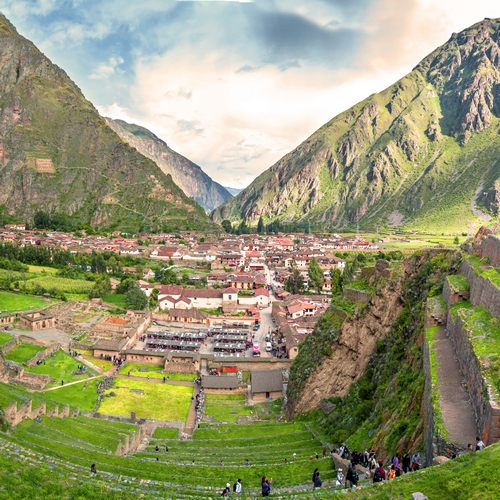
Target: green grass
{"points": [[23, 352], [228, 413], [42, 269], [458, 283], [61, 367], [82, 395], [158, 401], [103, 364], [115, 299], [12, 302], [165, 433], [153, 371], [4, 338], [483, 269], [438, 416], [66, 285]]}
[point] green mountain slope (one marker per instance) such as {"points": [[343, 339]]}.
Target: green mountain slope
{"points": [[186, 174], [421, 154], [57, 153]]}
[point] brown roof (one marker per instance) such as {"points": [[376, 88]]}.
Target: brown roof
{"points": [[170, 290], [267, 381], [188, 313], [219, 382], [202, 293], [110, 345]]}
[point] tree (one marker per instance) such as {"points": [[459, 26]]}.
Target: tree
{"points": [[456, 240], [227, 226], [295, 283], [136, 299], [41, 220], [316, 275], [260, 226], [337, 280]]}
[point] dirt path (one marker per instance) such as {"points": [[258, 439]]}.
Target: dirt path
{"points": [[457, 413]]}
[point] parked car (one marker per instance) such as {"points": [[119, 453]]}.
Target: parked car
{"points": [[269, 347]]}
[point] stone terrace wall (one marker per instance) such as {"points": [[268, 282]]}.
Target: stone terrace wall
{"points": [[8, 346], [40, 356], [489, 247], [428, 407], [356, 295], [482, 291], [486, 411], [130, 443]]}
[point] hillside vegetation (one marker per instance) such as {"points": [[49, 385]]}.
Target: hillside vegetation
{"points": [[422, 154], [58, 155]]}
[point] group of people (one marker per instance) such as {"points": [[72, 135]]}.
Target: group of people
{"points": [[237, 488]]}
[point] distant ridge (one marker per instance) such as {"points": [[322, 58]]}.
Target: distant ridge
{"points": [[186, 174]]}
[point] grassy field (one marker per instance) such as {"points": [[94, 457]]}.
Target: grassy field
{"points": [[23, 352], [62, 366], [103, 364], [66, 285], [227, 407], [115, 299], [153, 371], [42, 270], [12, 302], [152, 400], [4, 338], [82, 395]]}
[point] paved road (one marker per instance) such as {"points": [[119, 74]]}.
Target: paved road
{"points": [[48, 334]]}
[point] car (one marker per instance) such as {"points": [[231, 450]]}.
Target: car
{"points": [[268, 337], [269, 347], [260, 307], [255, 328]]}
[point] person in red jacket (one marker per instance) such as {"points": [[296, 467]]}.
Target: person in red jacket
{"points": [[379, 473]]}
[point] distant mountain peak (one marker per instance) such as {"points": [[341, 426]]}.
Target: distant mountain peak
{"points": [[420, 154], [186, 174]]}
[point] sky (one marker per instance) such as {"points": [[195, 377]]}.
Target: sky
{"points": [[235, 85]]}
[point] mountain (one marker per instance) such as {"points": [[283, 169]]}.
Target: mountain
{"points": [[233, 191], [58, 155], [422, 154], [186, 174]]}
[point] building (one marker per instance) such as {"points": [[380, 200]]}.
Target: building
{"points": [[37, 320], [267, 384]]}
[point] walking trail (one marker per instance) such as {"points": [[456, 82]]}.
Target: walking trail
{"points": [[457, 412]]}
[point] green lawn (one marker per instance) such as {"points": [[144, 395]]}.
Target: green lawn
{"points": [[83, 395], [11, 302], [4, 338], [23, 352], [42, 270], [228, 413], [153, 371], [103, 364], [157, 401], [61, 367], [115, 299]]}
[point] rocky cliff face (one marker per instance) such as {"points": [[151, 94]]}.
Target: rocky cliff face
{"points": [[58, 154], [186, 174], [401, 156]]}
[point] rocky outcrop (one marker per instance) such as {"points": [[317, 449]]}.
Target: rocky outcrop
{"points": [[187, 175], [351, 352], [396, 152]]}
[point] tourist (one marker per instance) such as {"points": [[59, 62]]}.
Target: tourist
{"points": [[93, 470], [340, 477], [479, 444], [406, 463], [166, 449], [226, 490], [415, 461], [352, 475], [237, 488], [247, 462], [324, 452], [157, 448], [316, 471], [285, 461], [469, 447], [62, 382], [294, 457], [396, 464], [317, 481], [392, 473], [379, 473], [266, 486], [221, 463], [317, 456]]}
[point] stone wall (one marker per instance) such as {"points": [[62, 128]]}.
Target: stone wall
{"points": [[428, 407], [489, 247], [486, 411], [130, 442], [356, 295], [40, 356], [15, 415], [452, 297], [8, 346], [482, 291]]}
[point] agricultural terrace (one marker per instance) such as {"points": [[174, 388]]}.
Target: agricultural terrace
{"points": [[13, 302], [82, 395], [152, 400], [4, 338], [226, 407], [23, 352], [65, 285], [62, 366]]}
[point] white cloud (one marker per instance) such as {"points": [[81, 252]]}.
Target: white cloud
{"points": [[105, 70]]}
